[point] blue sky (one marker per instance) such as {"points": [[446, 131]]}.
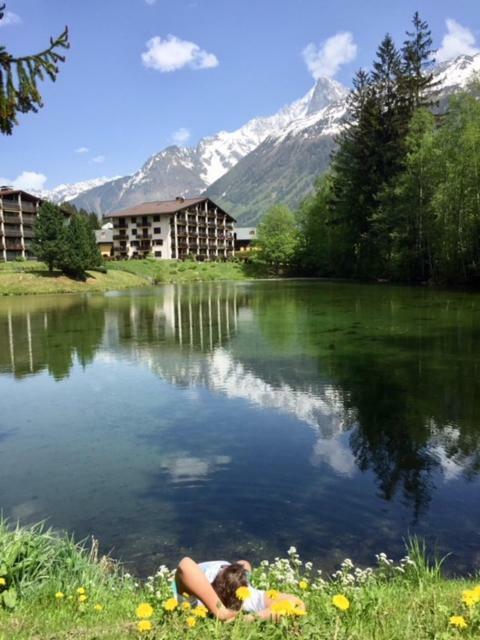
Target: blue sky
{"points": [[207, 65]]}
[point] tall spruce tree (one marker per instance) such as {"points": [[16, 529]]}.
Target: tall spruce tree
{"points": [[19, 76], [49, 243], [418, 62]]}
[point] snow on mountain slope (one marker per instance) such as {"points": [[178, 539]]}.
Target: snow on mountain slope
{"points": [[284, 167], [67, 192], [228, 164], [189, 171]]}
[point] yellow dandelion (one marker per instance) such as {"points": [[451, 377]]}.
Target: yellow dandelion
{"points": [[470, 597], [186, 606], [82, 597], [459, 622], [59, 595], [171, 604], [273, 594], [243, 593], [299, 611], [200, 611], [303, 584], [477, 590], [81, 591], [191, 621], [144, 610], [341, 602], [3, 582], [98, 607], [283, 608], [144, 626]]}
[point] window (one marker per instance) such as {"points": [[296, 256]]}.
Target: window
{"points": [[134, 221], [159, 242], [157, 230], [134, 232], [156, 218], [158, 254]]}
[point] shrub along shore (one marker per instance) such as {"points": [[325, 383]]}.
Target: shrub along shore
{"points": [[51, 587], [22, 278]]}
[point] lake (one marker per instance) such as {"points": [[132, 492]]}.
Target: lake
{"points": [[237, 419]]}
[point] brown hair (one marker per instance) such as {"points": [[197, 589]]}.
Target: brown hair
{"points": [[226, 583]]}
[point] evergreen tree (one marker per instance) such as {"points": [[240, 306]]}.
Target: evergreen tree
{"points": [[81, 252], [418, 61], [49, 243], [277, 238], [18, 79]]}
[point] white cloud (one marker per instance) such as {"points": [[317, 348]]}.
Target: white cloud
{"points": [[10, 18], [181, 136], [27, 180], [172, 53], [98, 159], [326, 59], [457, 41], [82, 150]]}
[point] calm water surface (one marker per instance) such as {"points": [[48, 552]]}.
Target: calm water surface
{"points": [[237, 419]]}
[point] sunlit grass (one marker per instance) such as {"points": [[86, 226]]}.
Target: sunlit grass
{"points": [[66, 590]]}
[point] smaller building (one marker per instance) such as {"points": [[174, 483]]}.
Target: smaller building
{"points": [[244, 236], [18, 212], [104, 239]]}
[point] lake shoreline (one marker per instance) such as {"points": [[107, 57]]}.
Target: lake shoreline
{"points": [[32, 278], [57, 587]]}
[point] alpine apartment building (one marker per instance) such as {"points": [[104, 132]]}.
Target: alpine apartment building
{"points": [[18, 211], [173, 229]]}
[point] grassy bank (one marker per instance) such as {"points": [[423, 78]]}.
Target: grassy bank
{"points": [[21, 278], [59, 590], [158, 271]]}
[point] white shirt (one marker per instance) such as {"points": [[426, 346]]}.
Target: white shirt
{"points": [[253, 604]]}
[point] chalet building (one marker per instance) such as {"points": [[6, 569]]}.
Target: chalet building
{"points": [[243, 238], [104, 240], [18, 211], [173, 229]]}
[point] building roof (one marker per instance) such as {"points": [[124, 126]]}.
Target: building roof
{"points": [[104, 236], [9, 191], [161, 206], [246, 233]]}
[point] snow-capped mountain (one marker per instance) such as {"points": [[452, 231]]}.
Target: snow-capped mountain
{"points": [[270, 159], [67, 192], [188, 171], [284, 167]]}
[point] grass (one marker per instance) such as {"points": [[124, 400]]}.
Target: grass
{"points": [[394, 601], [19, 278], [158, 271]]}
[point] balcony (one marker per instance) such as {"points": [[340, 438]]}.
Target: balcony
{"points": [[28, 207], [11, 219], [143, 225], [28, 219], [12, 245], [12, 233], [10, 206]]}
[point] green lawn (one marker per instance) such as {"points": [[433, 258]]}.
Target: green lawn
{"points": [[19, 278], [158, 271], [66, 592]]}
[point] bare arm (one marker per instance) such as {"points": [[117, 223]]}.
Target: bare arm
{"points": [[191, 579]]}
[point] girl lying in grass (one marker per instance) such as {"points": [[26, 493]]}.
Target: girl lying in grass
{"points": [[224, 589]]}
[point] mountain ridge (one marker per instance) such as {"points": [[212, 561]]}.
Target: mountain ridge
{"points": [[270, 159]]}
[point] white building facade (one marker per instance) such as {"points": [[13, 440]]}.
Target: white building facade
{"points": [[173, 229]]}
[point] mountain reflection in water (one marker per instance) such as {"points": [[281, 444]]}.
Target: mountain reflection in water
{"points": [[335, 417]]}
